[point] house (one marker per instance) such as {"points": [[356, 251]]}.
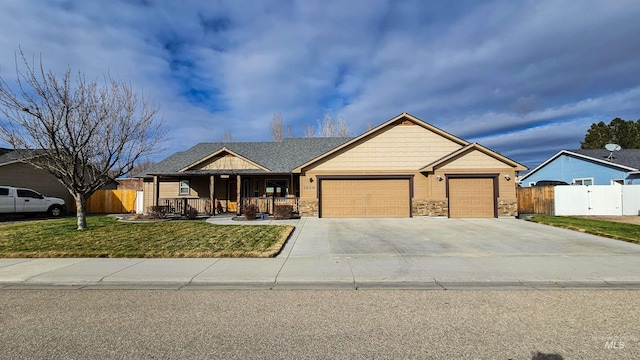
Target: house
{"points": [[588, 167], [401, 168], [15, 172]]}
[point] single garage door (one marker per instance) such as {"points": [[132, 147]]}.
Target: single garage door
{"points": [[365, 198], [471, 198]]}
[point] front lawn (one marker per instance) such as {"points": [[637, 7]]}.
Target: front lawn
{"points": [[107, 237], [614, 230]]}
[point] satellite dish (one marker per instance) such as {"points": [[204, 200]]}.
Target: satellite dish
{"points": [[613, 147]]}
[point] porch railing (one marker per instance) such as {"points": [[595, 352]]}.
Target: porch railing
{"points": [[183, 205], [267, 204]]}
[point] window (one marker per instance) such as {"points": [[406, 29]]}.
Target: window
{"points": [[583, 181], [617, 181], [28, 194], [4, 191], [184, 187], [277, 188]]}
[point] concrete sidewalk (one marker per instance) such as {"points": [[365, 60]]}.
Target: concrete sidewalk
{"points": [[309, 270]]}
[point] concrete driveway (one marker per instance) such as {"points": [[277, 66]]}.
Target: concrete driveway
{"points": [[446, 237], [432, 252]]}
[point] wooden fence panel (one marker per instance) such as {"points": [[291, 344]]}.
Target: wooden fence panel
{"points": [[536, 200], [112, 202]]}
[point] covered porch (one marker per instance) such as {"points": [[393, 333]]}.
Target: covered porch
{"points": [[219, 192]]}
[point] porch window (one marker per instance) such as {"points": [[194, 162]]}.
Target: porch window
{"points": [[277, 188], [184, 187], [583, 181]]}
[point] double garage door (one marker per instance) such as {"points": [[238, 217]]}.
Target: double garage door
{"points": [[361, 198]]}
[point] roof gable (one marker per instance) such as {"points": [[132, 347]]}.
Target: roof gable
{"points": [[477, 156], [625, 159], [224, 159], [395, 132]]}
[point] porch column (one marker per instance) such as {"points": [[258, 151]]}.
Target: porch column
{"points": [[238, 199], [212, 197], [156, 190]]}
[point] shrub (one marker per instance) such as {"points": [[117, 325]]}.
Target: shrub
{"points": [[283, 211], [157, 212], [192, 214], [250, 211]]}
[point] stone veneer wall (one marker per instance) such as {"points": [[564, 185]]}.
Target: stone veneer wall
{"points": [[309, 208], [430, 207], [420, 208], [508, 208]]}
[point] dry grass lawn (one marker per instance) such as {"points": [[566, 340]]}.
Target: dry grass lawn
{"points": [[107, 237]]}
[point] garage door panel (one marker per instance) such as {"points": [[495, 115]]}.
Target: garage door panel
{"points": [[471, 197], [365, 198]]}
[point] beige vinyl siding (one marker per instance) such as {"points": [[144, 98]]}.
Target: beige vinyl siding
{"points": [[226, 161], [475, 160], [396, 148]]}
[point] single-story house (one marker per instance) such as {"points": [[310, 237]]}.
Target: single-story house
{"points": [[588, 167], [404, 167], [15, 172]]}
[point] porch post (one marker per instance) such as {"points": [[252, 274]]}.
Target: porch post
{"points": [[238, 187], [156, 190], [212, 197]]}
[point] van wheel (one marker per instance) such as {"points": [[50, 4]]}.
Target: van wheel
{"points": [[55, 211]]}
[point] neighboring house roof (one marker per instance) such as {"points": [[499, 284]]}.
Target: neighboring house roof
{"points": [[12, 156], [625, 159], [275, 157]]}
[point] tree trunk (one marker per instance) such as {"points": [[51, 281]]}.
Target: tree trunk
{"points": [[81, 211]]}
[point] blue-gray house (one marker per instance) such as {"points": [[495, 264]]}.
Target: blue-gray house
{"points": [[588, 167]]}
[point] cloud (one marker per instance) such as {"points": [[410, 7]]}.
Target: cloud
{"points": [[500, 72]]}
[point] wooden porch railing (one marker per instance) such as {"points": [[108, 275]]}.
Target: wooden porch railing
{"points": [[266, 204], [182, 205]]}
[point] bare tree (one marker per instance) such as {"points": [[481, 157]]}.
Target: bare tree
{"points": [[227, 136], [86, 132], [309, 131], [342, 130], [277, 128], [326, 128], [369, 125], [142, 165], [290, 133]]}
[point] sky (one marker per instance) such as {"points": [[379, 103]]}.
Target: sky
{"points": [[523, 78]]}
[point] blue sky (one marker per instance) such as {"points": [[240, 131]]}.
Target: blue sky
{"points": [[524, 78]]}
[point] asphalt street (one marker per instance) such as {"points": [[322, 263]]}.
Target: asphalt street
{"points": [[319, 324]]}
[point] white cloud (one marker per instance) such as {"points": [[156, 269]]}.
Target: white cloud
{"points": [[502, 72]]}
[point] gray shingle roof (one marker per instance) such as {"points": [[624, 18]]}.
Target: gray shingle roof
{"points": [[626, 157], [278, 157], [9, 156]]}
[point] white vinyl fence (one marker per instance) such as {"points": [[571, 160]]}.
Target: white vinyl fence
{"points": [[139, 202], [597, 200]]}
